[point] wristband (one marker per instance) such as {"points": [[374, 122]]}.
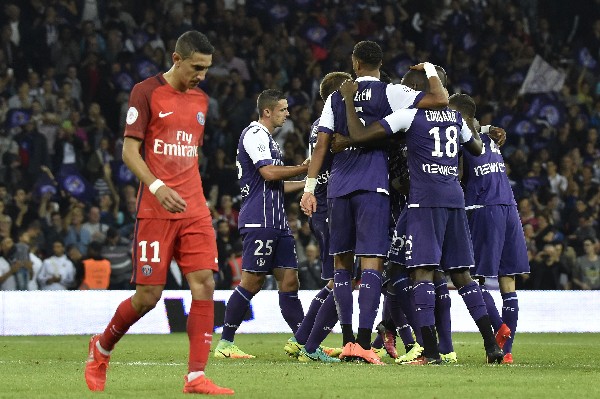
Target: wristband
{"points": [[485, 129], [430, 70], [310, 184], [156, 184]]}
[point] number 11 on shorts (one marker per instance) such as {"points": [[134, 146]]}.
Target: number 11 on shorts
{"points": [[155, 246]]}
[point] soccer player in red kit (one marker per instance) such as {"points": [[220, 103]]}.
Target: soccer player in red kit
{"points": [[164, 127]]}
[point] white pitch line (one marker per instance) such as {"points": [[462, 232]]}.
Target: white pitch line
{"points": [[138, 363]]}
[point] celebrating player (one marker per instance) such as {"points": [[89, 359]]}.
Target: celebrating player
{"points": [[498, 240], [268, 244]]}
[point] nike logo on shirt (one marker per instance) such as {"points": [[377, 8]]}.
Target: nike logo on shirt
{"points": [[163, 114]]}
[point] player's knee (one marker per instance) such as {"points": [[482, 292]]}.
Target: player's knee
{"points": [[461, 278]]}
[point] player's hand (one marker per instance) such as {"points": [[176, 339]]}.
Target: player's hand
{"points": [[418, 67], [348, 88], [306, 162], [308, 204], [339, 143], [170, 200], [498, 135]]}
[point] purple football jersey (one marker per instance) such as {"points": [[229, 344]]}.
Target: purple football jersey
{"points": [[262, 201], [484, 176], [433, 140], [358, 168]]}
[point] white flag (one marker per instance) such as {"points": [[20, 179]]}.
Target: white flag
{"points": [[542, 78]]}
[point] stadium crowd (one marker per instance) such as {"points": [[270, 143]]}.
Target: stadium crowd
{"points": [[67, 67]]}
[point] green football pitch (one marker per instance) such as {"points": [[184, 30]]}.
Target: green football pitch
{"points": [[152, 366]]}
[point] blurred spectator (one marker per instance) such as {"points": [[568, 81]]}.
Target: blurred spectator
{"points": [[118, 252], [309, 271], [17, 255], [57, 272], [96, 269], [94, 227], [224, 250], [546, 270], [586, 275], [235, 264], [76, 234]]}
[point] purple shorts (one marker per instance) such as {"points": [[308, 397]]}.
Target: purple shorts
{"points": [[265, 249], [396, 253], [318, 226], [498, 241], [358, 222], [438, 237]]}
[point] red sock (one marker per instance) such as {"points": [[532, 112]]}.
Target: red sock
{"points": [[200, 325], [124, 317]]}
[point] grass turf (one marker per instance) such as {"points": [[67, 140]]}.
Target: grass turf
{"points": [[152, 366]]}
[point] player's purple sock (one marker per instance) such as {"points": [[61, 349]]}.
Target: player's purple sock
{"points": [[424, 292], [369, 296], [400, 321], [342, 291], [325, 321], [471, 295], [443, 322], [291, 309], [510, 315], [234, 312], [403, 289], [492, 310], [309, 319]]}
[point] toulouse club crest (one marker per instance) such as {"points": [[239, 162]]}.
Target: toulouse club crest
{"points": [[200, 118]]}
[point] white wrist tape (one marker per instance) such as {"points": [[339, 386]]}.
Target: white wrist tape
{"points": [[485, 129], [310, 184], [156, 184], [430, 70]]}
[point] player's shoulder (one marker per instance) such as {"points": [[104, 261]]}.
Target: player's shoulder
{"points": [[149, 84]]}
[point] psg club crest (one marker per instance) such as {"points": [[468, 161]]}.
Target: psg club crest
{"points": [[200, 118], [146, 270]]}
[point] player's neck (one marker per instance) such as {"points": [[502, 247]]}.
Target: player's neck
{"points": [[170, 78], [364, 73], [266, 123]]}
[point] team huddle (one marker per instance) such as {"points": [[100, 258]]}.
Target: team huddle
{"points": [[385, 157]]}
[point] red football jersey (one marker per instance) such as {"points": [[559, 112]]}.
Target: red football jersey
{"points": [[171, 125]]}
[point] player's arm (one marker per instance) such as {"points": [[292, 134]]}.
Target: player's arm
{"points": [[278, 172], [358, 132], [167, 197], [437, 97], [308, 202], [291, 186], [469, 137], [495, 133]]}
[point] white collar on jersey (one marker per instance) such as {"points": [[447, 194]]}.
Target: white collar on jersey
{"points": [[366, 78], [257, 123]]}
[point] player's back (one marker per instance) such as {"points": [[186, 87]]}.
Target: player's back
{"points": [[262, 201], [360, 168], [433, 141], [484, 176]]}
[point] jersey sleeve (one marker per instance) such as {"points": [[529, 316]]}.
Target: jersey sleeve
{"points": [[326, 122], [399, 120], [138, 114], [401, 96], [257, 147], [465, 134]]}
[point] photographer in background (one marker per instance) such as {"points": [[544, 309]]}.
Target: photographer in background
{"points": [[546, 269]]}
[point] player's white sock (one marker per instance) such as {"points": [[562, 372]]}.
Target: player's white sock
{"points": [[102, 350], [195, 374]]}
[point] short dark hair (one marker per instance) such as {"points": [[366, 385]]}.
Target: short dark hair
{"points": [[369, 53], [268, 99], [384, 77], [193, 42], [331, 82], [419, 81], [464, 104]]}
